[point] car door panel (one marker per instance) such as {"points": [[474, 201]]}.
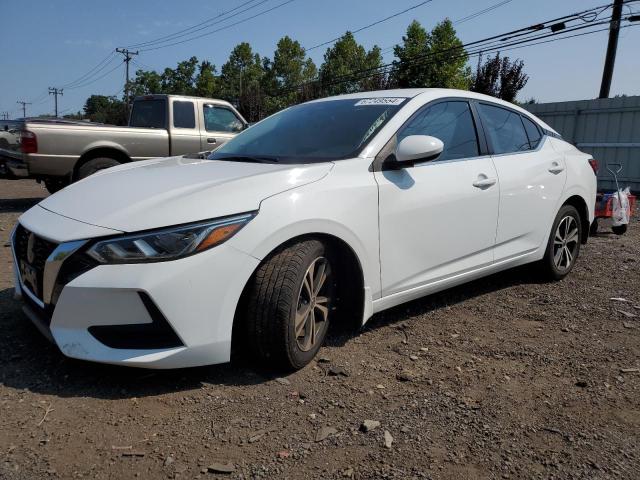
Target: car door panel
{"points": [[434, 222], [438, 218], [532, 176]]}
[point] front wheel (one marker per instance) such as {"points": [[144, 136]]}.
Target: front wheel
{"points": [[564, 242], [289, 305]]}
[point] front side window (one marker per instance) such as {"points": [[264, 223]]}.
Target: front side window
{"points": [[451, 122], [220, 119], [504, 128], [317, 131], [532, 132], [184, 115]]}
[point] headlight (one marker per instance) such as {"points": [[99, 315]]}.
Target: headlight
{"points": [[168, 243]]}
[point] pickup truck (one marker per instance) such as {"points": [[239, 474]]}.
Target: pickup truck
{"points": [[58, 152]]}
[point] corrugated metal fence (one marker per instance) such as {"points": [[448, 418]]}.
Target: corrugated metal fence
{"points": [[607, 128]]}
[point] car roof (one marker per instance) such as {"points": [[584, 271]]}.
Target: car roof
{"points": [[434, 94]]}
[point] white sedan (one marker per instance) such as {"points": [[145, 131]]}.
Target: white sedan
{"points": [[329, 211]]}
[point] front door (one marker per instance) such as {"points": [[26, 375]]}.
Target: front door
{"points": [[438, 218], [220, 124]]}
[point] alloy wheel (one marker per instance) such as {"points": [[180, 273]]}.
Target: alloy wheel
{"points": [[313, 305], [565, 243]]}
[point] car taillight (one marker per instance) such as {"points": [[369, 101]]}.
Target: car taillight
{"points": [[594, 165], [29, 142]]}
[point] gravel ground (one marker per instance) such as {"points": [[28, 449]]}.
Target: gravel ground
{"points": [[506, 377]]}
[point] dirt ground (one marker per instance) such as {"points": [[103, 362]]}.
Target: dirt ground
{"points": [[507, 377]]}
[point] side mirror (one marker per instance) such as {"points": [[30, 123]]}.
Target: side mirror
{"points": [[418, 148]]}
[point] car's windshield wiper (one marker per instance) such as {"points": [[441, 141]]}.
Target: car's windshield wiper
{"points": [[248, 159]]}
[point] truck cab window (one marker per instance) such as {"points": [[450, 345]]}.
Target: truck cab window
{"points": [[183, 115], [220, 119], [148, 114]]}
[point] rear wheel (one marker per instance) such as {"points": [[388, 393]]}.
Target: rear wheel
{"points": [[564, 242], [94, 165], [290, 304]]}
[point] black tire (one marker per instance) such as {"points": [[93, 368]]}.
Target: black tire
{"points": [[96, 164], [274, 299], [549, 267], [593, 230], [619, 229], [54, 185]]}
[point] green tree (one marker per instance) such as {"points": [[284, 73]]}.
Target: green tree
{"points": [[434, 59], [500, 77], [206, 83], [104, 109], [289, 69], [145, 83], [241, 81], [348, 67], [180, 80]]}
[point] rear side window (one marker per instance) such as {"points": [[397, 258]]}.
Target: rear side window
{"points": [[450, 122], [504, 128], [220, 119], [184, 115], [149, 114], [533, 132]]}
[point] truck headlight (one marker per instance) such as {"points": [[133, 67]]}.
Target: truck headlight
{"points": [[168, 243]]}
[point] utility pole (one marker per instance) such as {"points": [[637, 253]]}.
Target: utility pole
{"points": [[55, 92], [612, 47], [24, 107], [128, 55]]}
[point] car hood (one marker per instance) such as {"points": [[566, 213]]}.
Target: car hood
{"points": [[170, 191]]}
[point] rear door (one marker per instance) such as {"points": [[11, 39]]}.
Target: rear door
{"points": [[532, 177], [184, 128], [437, 218], [219, 124]]}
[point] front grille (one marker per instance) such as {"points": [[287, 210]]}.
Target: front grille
{"points": [[31, 253]]}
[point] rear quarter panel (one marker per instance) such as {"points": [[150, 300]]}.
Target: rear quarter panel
{"points": [[60, 146], [581, 180]]}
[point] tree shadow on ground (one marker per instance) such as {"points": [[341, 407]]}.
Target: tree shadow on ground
{"points": [[28, 361]]}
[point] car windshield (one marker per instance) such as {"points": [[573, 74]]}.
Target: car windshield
{"points": [[312, 132]]}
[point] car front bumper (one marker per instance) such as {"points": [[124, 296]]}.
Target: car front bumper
{"points": [[156, 315]]}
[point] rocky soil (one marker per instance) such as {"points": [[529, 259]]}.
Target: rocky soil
{"points": [[506, 377]]}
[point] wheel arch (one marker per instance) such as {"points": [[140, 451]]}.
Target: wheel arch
{"points": [[352, 294], [580, 204]]}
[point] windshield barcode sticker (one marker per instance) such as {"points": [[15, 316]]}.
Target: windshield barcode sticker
{"points": [[380, 101]]}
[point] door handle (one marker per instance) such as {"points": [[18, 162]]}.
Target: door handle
{"points": [[211, 140], [484, 182], [556, 168]]}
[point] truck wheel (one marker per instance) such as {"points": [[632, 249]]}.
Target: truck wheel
{"points": [[94, 165], [54, 185], [290, 304]]}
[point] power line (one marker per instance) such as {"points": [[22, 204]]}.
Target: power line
{"points": [[128, 56], [377, 22], [24, 107], [99, 67], [94, 80], [221, 28], [492, 43], [193, 29], [55, 92], [471, 16]]}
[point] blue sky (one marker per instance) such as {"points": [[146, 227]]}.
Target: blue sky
{"points": [[47, 43]]}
